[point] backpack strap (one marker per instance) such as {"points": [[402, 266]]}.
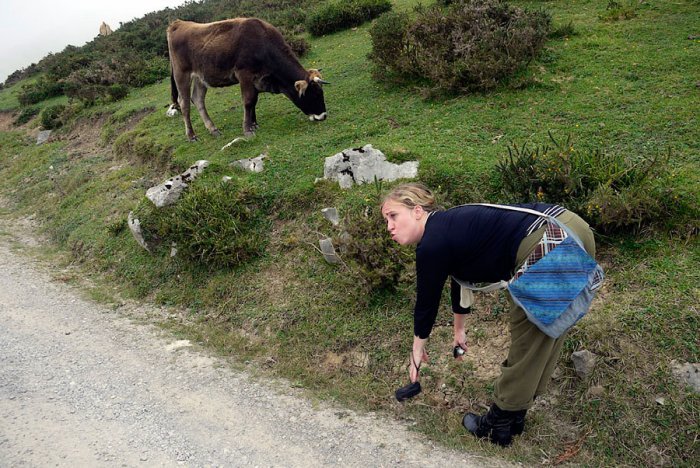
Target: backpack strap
{"points": [[504, 284], [549, 218]]}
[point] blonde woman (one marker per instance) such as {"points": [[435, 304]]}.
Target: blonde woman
{"points": [[478, 244]]}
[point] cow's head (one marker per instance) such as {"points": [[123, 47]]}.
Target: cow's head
{"points": [[309, 95]]}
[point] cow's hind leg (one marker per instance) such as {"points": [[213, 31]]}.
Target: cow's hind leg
{"points": [[199, 93], [183, 83]]}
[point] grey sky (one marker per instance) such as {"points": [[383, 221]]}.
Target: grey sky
{"points": [[30, 29]]}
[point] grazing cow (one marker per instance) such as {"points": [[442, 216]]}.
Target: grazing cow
{"points": [[248, 51]]}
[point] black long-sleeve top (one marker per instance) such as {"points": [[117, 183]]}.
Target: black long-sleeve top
{"points": [[472, 243]]}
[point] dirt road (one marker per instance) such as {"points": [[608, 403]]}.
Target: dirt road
{"points": [[84, 385]]}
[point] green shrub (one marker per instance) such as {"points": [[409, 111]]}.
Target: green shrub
{"points": [[26, 115], [299, 45], [343, 15], [391, 50], [108, 80], [470, 45], [616, 193], [52, 116], [42, 89], [215, 226], [373, 257], [87, 94], [117, 92]]}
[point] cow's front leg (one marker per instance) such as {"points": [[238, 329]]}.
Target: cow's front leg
{"points": [[199, 93], [183, 83], [250, 99]]}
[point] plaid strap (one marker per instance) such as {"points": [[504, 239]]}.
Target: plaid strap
{"points": [[553, 236]]}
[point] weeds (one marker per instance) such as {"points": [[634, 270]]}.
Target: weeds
{"points": [[619, 10], [615, 193]]}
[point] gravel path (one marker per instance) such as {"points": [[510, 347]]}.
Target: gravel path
{"points": [[84, 385]]}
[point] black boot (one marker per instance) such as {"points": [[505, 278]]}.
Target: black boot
{"points": [[518, 425], [496, 424]]}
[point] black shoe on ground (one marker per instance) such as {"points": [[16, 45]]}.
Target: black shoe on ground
{"points": [[497, 424]]}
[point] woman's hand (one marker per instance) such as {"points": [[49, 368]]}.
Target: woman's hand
{"points": [[418, 356]]}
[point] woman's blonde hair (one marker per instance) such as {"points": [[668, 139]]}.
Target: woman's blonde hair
{"points": [[413, 194]]}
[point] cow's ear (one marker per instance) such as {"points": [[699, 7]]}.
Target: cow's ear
{"points": [[313, 74], [301, 86]]}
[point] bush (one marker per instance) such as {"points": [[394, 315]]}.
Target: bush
{"points": [[615, 193], [108, 80], [374, 258], [52, 116], [391, 49], [470, 45], [343, 15], [117, 92], [298, 44], [38, 91], [217, 226], [26, 115]]}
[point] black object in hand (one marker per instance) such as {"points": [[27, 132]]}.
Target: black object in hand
{"points": [[457, 351], [408, 391]]}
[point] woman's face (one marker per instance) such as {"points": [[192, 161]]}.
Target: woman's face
{"points": [[406, 225]]}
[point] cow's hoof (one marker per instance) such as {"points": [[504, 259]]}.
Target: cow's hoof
{"points": [[249, 134], [193, 139], [216, 132]]}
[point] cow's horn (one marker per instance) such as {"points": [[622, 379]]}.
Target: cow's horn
{"points": [[320, 80]]}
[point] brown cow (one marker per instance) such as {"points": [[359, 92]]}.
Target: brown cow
{"points": [[248, 51]]}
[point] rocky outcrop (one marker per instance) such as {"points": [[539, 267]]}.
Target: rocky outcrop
{"points": [[363, 165], [251, 164], [169, 191], [105, 30]]}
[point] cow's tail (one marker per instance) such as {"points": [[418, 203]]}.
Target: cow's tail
{"points": [[174, 107], [173, 88]]}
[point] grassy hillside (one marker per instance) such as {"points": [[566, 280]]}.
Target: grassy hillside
{"points": [[628, 87]]}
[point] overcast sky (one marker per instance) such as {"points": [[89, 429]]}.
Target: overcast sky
{"points": [[30, 29]]}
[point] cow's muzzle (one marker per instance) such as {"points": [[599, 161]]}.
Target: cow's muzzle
{"points": [[319, 117]]}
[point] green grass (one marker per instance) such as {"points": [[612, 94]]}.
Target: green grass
{"points": [[624, 86]]}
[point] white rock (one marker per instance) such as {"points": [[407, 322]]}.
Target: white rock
{"points": [[135, 228], [252, 164], [43, 137], [363, 165], [687, 374], [331, 214], [584, 362], [329, 251], [169, 191]]}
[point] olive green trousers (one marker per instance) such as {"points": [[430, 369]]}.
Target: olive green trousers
{"points": [[533, 355]]}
